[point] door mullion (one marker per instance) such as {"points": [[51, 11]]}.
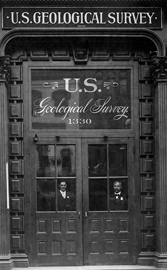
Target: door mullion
{"points": [[85, 195], [85, 177]]}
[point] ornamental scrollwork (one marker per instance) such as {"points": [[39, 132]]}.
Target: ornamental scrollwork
{"points": [[5, 69], [159, 68]]}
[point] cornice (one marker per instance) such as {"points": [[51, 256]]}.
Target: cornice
{"points": [[84, 2]]}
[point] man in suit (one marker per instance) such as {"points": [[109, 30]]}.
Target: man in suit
{"points": [[66, 200], [118, 200]]}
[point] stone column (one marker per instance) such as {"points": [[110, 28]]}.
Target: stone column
{"points": [[5, 258], [160, 81]]}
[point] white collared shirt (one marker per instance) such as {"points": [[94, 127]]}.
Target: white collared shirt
{"points": [[63, 193], [117, 193]]}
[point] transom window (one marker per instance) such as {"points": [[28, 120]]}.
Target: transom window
{"points": [[80, 99]]}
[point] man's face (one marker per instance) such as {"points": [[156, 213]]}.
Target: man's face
{"points": [[63, 186], [117, 187]]}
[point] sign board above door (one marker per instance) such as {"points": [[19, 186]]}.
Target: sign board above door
{"points": [[82, 17]]}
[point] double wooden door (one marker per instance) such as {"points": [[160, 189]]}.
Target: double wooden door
{"points": [[90, 226]]}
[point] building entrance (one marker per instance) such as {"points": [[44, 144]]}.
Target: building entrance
{"points": [[81, 201], [81, 118]]}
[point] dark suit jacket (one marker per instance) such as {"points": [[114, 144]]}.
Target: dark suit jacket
{"points": [[118, 202], [66, 204]]}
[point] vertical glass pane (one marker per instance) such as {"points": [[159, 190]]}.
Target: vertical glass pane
{"points": [[46, 195], [66, 160], [118, 194], [98, 194], [118, 159], [97, 160], [66, 194], [45, 161]]}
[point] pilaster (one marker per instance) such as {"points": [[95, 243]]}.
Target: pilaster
{"points": [[159, 73], [5, 258]]}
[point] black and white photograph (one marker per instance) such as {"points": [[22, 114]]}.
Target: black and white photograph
{"points": [[83, 134]]}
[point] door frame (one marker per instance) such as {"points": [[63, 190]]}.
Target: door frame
{"points": [[29, 135]]}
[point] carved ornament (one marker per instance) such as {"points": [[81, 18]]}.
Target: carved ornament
{"points": [[80, 55], [4, 68], [159, 68]]}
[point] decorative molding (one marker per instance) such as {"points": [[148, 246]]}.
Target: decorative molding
{"points": [[146, 258], [160, 260], [88, 2], [159, 68], [5, 68]]}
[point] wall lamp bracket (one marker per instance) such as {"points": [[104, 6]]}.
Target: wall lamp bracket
{"points": [[58, 138], [105, 138], [35, 139]]}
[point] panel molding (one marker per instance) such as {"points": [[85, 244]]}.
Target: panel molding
{"points": [[5, 257], [147, 165]]}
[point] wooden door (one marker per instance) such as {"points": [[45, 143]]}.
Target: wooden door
{"points": [[108, 217], [55, 224], [92, 226]]}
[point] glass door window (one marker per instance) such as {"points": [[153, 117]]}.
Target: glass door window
{"points": [[56, 177], [108, 179]]}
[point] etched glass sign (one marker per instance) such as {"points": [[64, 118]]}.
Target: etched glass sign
{"points": [[81, 99]]}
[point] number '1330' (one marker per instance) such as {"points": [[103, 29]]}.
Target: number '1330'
{"points": [[81, 121]]}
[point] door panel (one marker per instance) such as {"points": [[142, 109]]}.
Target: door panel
{"points": [[108, 219], [56, 237]]}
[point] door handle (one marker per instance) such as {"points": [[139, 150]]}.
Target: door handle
{"points": [[86, 214]]}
